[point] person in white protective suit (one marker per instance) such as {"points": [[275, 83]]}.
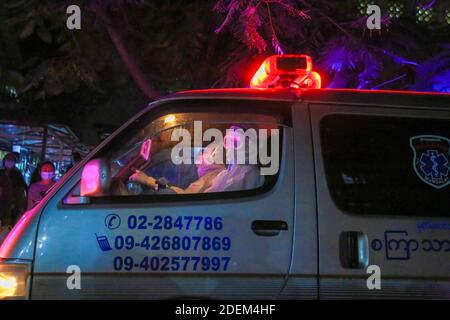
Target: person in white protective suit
{"points": [[240, 174]]}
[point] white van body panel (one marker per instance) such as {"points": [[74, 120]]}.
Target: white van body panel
{"points": [[303, 282], [408, 272], [68, 235]]}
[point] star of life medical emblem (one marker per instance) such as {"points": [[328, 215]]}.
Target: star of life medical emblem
{"points": [[432, 159]]}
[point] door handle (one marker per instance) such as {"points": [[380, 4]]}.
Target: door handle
{"points": [[353, 250], [268, 228]]}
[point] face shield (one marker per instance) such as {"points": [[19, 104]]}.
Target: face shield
{"points": [[241, 146], [209, 161]]}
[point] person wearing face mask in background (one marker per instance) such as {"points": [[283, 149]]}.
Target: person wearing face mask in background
{"points": [[13, 179], [37, 191]]}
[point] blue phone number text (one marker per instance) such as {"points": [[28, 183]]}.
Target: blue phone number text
{"points": [[173, 264], [181, 223], [173, 243]]}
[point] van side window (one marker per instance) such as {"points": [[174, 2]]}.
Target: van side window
{"points": [[387, 165], [194, 153]]}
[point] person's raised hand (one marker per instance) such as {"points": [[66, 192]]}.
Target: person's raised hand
{"points": [[140, 177]]}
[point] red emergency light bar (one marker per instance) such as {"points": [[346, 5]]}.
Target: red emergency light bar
{"points": [[286, 71]]}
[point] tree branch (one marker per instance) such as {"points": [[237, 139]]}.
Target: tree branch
{"points": [[132, 65], [128, 59]]}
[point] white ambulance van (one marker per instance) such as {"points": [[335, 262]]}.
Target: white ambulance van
{"points": [[349, 197]]}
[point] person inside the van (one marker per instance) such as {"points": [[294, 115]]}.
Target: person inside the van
{"points": [[162, 166], [207, 170], [237, 176], [38, 189]]}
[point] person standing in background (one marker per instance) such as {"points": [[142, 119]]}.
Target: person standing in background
{"points": [[18, 188], [76, 157], [5, 205], [37, 191]]}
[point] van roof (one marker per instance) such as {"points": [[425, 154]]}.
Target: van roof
{"points": [[233, 93], [335, 96]]}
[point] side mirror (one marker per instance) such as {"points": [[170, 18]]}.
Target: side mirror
{"points": [[95, 178]]}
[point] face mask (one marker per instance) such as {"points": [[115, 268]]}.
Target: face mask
{"points": [[9, 164], [47, 175]]}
